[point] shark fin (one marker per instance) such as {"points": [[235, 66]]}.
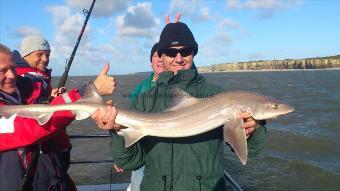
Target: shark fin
{"points": [[43, 118], [181, 99], [131, 135], [236, 137], [91, 95], [80, 115]]}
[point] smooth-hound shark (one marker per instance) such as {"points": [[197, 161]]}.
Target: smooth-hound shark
{"points": [[187, 117]]}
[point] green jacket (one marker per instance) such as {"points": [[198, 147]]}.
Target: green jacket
{"points": [[178, 164], [142, 87]]}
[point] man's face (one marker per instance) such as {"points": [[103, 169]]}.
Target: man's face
{"points": [[177, 58], [7, 74], [38, 59], [157, 64]]}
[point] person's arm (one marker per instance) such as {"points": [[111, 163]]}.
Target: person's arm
{"points": [[130, 158], [18, 131]]}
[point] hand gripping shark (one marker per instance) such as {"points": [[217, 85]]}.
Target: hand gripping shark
{"points": [[187, 117]]}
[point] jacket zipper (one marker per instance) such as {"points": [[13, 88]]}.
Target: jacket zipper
{"points": [[172, 167], [164, 182], [199, 181]]}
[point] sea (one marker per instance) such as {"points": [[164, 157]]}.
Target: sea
{"points": [[302, 151]]}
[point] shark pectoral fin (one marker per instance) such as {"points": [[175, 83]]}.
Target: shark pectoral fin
{"points": [[131, 135], [236, 137], [80, 115], [44, 118]]}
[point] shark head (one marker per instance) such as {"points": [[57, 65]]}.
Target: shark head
{"points": [[260, 107], [263, 107]]}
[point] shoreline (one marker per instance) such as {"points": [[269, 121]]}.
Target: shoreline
{"points": [[269, 70]]}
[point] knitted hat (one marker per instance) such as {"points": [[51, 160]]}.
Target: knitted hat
{"points": [[153, 50], [33, 43], [177, 34]]}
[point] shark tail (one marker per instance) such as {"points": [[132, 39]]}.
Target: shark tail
{"points": [[131, 135], [236, 137]]}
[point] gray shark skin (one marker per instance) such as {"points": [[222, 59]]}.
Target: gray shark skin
{"points": [[187, 117]]}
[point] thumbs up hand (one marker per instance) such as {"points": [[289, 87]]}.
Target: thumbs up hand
{"points": [[105, 84]]}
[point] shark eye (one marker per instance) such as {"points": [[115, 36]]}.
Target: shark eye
{"points": [[276, 106], [273, 106]]}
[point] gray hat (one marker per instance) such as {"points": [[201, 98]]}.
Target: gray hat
{"points": [[33, 43]]}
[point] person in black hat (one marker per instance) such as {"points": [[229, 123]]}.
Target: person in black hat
{"points": [[180, 164], [177, 47]]}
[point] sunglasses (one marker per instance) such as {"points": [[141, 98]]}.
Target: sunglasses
{"points": [[172, 52]]}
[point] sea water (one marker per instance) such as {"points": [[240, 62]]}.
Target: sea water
{"points": [[302, 151]]}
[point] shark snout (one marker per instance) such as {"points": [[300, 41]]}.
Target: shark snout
{"points": [[286, 108]]}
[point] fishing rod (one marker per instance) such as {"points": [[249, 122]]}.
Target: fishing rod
{"points": [[63, 79]]}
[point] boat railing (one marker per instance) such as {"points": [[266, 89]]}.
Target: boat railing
{"points": [[235, 186]]}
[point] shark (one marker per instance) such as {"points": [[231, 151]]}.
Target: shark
{"points": [[187, 115]]}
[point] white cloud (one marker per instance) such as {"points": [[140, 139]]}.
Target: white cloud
{"points": [[218, 48], [67, 29], [227, 23], [25, 31], [102, 8], [193, 9], [264, 8], [255, 4], [59, 13], [138, 21]]}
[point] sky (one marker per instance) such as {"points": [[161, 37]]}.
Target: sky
{"points": [[122, 32]]}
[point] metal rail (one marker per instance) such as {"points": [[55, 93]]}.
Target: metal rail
{"points": [[235, 186], [233, 183], [90, 136]]}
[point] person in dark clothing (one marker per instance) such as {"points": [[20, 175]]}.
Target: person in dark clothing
{"points": [[180, 164]]}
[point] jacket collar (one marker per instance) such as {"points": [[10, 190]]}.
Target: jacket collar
{"points": [[14, 99], [182, 76]]}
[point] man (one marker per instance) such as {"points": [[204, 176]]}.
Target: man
{"points": [[32, 65], [181, 164], [21, 137]]}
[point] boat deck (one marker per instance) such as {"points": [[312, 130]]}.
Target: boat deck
{"points": [[104, 187]]}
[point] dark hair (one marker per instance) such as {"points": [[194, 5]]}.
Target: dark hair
{"points": [[153, 50]]}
